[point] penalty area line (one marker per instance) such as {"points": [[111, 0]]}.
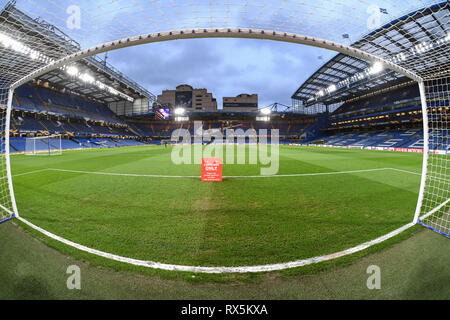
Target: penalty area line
{"points": [[233, 177], [30, 172], [121, 174]]}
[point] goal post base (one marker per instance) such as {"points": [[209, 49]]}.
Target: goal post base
{"points": [[432, 228]]}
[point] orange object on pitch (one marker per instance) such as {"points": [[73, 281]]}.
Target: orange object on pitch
{"points": [[211, 169]]}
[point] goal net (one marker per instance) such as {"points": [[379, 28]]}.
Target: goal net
{"points": [[43, 146], [399, 39], [435, 210]]}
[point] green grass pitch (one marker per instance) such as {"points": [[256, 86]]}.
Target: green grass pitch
{"points": [[237, 222]]}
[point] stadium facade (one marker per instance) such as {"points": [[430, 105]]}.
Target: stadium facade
{"points": [[186, 97], [242, 102]]}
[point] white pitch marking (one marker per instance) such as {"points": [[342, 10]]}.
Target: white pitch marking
{"points": [[121, 174], [309, 174], [426, 215], [406, 171], [30, 172], [259, 176], [233, 177], [200, 269]]}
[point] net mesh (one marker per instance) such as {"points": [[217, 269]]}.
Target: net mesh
{"points": [[412, 34], [6, 209], [436, 204], [47, 145]]}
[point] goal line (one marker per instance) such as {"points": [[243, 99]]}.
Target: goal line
{"points": [[221, 269]]}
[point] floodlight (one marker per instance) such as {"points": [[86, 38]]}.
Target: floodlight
{"points": [[332, 88], [376, 68], [179, 111], [34, 55], [72, 70], [87, 78]]}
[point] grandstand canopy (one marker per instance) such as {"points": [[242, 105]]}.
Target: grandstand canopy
{"points": [[53, 42], [401, 35], [419, 22]]}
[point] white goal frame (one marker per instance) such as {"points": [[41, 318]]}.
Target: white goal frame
{"points": [[232, 33], [50, 150]]}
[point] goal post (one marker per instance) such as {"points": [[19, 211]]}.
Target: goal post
{"points": [[43, 146], [434, 196], [410, 38]]}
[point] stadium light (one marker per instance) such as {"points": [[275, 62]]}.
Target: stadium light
{"points": [[113, 91], [8, 42], [73, 71], [34, 55], [179, 111], [87, 78], [376, 68], [265, 111], [17, 46], [332, 88]]}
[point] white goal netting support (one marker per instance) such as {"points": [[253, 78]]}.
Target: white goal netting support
{"points": [[435, 195], [7, 204], [401, 39], [43, 146]]}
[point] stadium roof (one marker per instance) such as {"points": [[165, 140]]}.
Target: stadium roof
{"points": [[53, 43], [401, 35], [105, 21]]}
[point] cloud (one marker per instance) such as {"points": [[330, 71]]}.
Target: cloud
{"points": [[226, 67]]}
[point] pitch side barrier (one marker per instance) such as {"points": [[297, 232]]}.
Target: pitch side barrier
{"points": [[89, 148], [413, 150]]}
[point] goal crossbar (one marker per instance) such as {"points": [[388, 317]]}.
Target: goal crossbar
{"points": [[45, 145]]}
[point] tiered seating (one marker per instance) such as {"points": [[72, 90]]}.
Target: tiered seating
{"points": [[412, 138], [164, 129], [42, 100], [403, 95], [17, 144], [26, 124]]}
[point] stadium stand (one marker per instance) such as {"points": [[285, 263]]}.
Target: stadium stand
{"points": [[388, 118]]}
